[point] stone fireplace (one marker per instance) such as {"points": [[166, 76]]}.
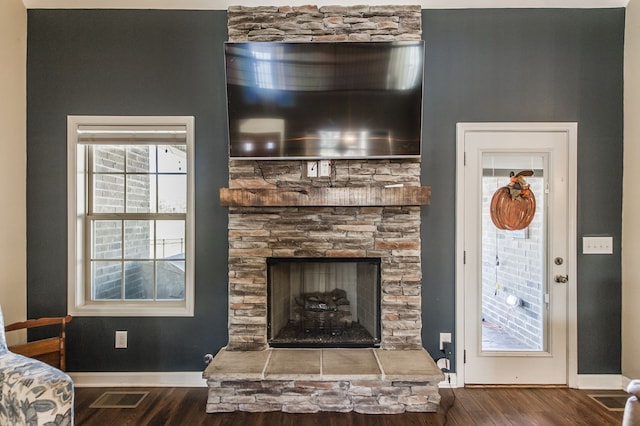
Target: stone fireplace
{"points": [[324, 240], [388, 233], [298, 230]]}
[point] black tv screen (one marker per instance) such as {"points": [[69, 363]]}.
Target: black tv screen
{"points": [[324, 100]]}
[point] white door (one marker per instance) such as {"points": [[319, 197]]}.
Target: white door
{"points": [[516, 284]]}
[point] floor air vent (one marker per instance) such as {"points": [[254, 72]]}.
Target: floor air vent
{"points": [[124, 399], [611, 402]]}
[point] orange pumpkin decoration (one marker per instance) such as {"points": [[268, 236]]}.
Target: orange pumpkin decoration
{"points": [[514, 205]]}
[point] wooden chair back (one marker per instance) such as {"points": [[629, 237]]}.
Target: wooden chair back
{"points": [[50, 350]]}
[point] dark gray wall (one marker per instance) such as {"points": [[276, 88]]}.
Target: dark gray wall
{"points": [[482, 65], [127, 63], [528, 65]]}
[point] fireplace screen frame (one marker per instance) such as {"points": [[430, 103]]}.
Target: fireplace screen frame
{"points": [[328, 338]]}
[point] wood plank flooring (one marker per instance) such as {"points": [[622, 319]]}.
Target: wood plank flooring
{"points": [[492, 406]]}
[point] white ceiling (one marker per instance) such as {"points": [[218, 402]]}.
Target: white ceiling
{"points": [[224, 4]]}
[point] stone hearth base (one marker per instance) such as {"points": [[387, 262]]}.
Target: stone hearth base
{"points": [[369, 381]]}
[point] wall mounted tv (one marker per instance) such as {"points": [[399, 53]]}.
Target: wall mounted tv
{"points": [[324, 100]]}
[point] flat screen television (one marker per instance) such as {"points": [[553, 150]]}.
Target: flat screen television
{"points": [[324, 100]]}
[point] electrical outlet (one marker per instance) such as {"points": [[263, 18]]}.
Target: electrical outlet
{"points": [[121, 339], [444, 337], [448, 349], [324, 167]]}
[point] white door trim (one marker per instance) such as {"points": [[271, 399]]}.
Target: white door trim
{"points": [[571, 130]]}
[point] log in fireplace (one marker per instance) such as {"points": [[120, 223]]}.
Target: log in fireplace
{"points": [[329, 302]]}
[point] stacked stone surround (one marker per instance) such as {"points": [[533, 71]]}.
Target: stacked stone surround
{"points": [[326, 23], [389, 233], [308, 396]]}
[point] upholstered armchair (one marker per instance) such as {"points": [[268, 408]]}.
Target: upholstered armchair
{"points": [[32, 392], [632, 408]]}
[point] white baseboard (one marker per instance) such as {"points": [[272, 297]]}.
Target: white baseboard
{"points": [[171, 379], [450, 381], [585, 381], [600, 381], [195, 379]]}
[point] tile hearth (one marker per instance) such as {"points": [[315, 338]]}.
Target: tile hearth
{"points": [[370, 381]]}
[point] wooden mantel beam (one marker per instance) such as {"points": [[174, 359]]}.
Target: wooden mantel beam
{"points": [[316, 197]]}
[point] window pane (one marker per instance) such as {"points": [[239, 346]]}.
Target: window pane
{"points": [[172, 158], [170, 277], [138, 280], [107, 280], [141, 159], [108, 158], [141, 193], [512, 283], [121, 164], [170, 239], [108, 193], [138, 239], [107, 239], [172, 194]]}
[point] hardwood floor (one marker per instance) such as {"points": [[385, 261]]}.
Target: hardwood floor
{"points": [[491, 406]]}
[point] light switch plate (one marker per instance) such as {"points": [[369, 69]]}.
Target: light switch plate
{"points": [[597, 245]]}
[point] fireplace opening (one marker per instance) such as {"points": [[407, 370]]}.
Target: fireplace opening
{"points": [[326, 302]]}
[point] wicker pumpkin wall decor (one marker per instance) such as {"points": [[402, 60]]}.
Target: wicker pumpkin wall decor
{"points": [[513, 205]]}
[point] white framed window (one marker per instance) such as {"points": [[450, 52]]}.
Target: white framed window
{"points": [[131, 216]]}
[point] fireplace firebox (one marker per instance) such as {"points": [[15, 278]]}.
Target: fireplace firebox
{"points": [[326, 302]]}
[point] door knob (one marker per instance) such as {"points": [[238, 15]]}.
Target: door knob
{"points": [[561, 278]]}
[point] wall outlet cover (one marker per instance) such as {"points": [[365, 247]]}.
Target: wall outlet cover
{"points": [[444, 337], [121, 339], [324, 167]]}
